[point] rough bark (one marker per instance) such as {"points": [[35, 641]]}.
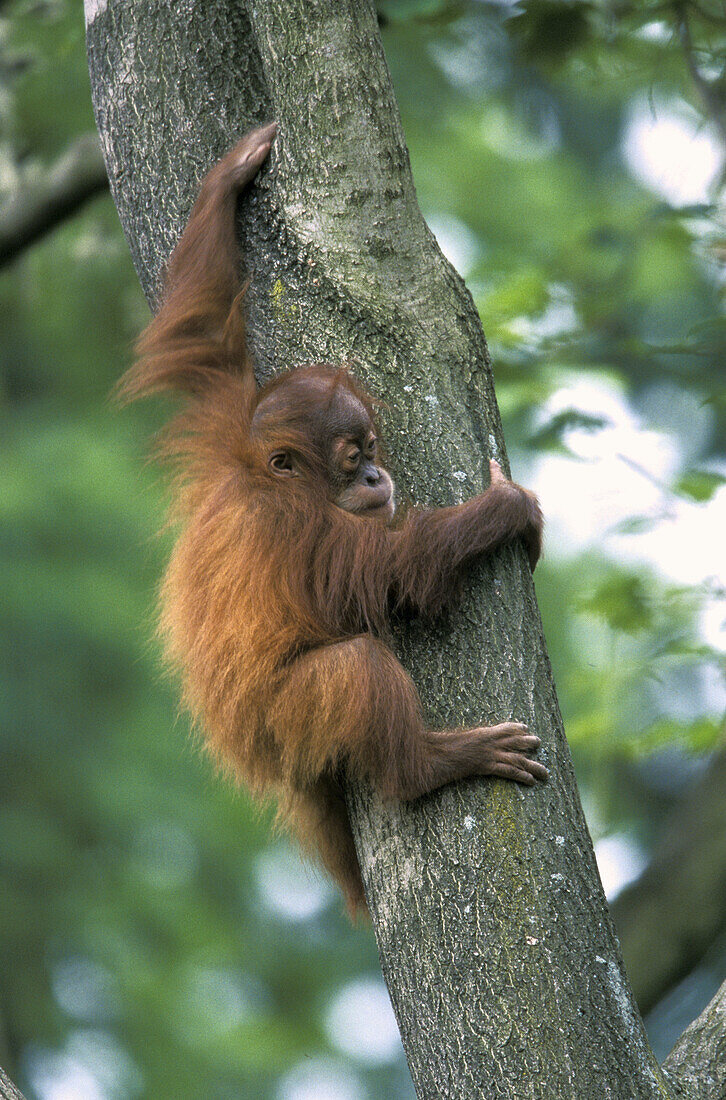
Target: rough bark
{"points": [[698, 1060], [679, 902], [8, 1090], [39, 205], [494, 936]]}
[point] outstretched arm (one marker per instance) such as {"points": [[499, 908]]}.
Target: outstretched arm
{"points": [[432, 548], [199, 330]]}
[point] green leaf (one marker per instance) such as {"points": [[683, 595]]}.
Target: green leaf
{"points": [[699, 485], [549, 437], [623, 601]]}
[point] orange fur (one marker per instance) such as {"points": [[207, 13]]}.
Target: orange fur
{"points": [[276, 600]]}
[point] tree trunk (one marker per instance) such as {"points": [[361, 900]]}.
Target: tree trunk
{"points": [[494, 936]]}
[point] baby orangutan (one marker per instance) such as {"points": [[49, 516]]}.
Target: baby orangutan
{"points": [[277, 596]]}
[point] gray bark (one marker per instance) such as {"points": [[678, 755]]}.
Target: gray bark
{"points": [[39, 205], [495, 939], [8, 1090], [698, 1060]]}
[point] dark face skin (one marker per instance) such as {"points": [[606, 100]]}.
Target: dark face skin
{"points": [[343, 434], [359, 483]]}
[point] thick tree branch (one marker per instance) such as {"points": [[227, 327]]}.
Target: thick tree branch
{"points": [[37, 207], [8, 1090], [698, 1060], [679, 902]]}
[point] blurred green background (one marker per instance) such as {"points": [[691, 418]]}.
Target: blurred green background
{"points": [[153, 934]]}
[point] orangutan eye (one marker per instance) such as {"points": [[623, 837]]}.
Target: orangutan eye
{"points": [[350, 463], [371, 447]]}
